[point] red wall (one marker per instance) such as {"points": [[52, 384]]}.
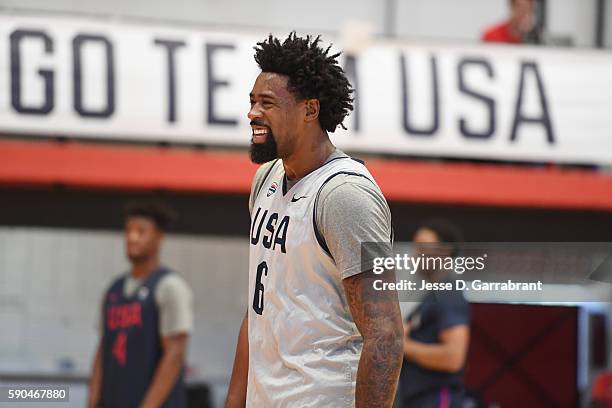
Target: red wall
{"points": [[524, 356]]}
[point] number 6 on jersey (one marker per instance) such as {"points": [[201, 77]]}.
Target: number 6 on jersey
{"points": [[258, 295]]}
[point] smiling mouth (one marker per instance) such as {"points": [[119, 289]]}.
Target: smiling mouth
{"points": [[259, 135]]}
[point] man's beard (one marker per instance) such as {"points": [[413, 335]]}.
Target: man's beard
{"points": [[264, 152]]}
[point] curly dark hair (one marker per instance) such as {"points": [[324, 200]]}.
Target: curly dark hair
{"points": [[313, 74], [447, 232], [162, 215]]}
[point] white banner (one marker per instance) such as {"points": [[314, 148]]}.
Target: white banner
{"points": [[92, 79]]}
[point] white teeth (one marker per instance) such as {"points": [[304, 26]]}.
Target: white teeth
{"points": [[259, 131]]}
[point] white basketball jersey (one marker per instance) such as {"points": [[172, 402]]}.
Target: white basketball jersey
{"points": [[304, 347]]}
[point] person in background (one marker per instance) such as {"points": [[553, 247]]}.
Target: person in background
{"points": [[147, 315], [437, 331], [520, 27]]}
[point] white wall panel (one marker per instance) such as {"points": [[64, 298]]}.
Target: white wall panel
{"points": [[314, 15], [430, 19], [52, 280], [574, 19], [448, 20]]}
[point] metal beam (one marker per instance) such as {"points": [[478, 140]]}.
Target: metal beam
{"points": [[600, 23]]}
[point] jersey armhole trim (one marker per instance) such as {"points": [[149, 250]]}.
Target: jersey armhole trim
{"points": [[318, 235]]}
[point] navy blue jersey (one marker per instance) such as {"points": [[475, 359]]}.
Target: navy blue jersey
{"points": [[131, 346], [439, 310]]}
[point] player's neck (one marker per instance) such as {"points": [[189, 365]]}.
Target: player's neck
{"points": [[143, 268], [308, 157]]}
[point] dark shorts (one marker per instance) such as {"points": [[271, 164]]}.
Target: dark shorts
{"points": [[443, 398]]}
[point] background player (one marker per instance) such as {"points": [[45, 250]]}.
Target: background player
{"points": [[147, 317], [316, 334], [437, 332], [520, 27]]}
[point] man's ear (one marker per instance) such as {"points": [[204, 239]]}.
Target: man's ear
{"points": [[312, 107]]}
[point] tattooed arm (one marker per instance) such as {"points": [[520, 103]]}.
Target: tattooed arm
{"points": [[352, 210], [377, 316]]}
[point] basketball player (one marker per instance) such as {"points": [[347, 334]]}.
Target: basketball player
{"points": [[147, 318], [437, 331], [315, 333]]}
